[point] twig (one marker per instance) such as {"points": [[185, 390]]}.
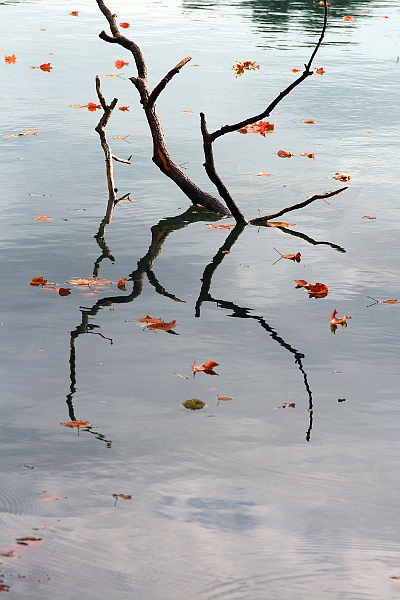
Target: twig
{"points": [[160, 86], [264, 220]]}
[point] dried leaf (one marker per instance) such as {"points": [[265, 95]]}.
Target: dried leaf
{"points": [[308, 154], [64, 291], [48, 497], [10, 59], [342, 176], [348, 18], [37, 280], [162, 325], [335, 321], [76, 424], [319, 71], [241, 66], [42, 218], [149, 319], [224, 398], [262, 127], [79, 106], [123, 108], [368, 217], [82, 281], [295, 70], [226, 251], [122, 496], [188, 112], [122, 284], [284, 154], [287, 405], [30, 541], [317, 290], [124, 25], [294, 257], [300, 283], [120, 63], [308, 121], [210, 226], [207, 367], [389, 301], [46, 67], [279, 224], [261, 174], [74, 13]]}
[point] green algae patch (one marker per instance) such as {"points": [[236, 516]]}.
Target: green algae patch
{"points": [[194, 404]]}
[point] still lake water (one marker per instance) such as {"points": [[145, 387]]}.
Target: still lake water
{"points": [[241, 500]]}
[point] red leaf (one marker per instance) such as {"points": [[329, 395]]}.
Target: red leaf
{"points": [[64, 291], [123, 108], [162, 325], [46, 67], [284, 154], [74, 13], [120, 63], [124, 25], [11, 59]]}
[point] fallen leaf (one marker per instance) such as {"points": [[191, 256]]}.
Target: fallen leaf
{"points": [[17, 135], [48, 497], [122, 284], [37, 280], [389, 301], [319, 71], [162, 325], [64, 291], [210, 226], [4, 588], [279, 224], [287, 405], [122, 496], [295, 70], [241, 66], [317, 290], [51, 287], [335, 321], [76, 424], [284, 154], [124, 25], [308, 154], [308, 121], [348, 18], [42, 218], [92, 106], [322, 3], [226, 251], [370, 132], [181, 376], [300, 283], [9, 554], [10, 59], [368, 217], [342, 176], [120, 63], [44, 67], [261, 174], [30, 541], [82, 281], [224, 398], [149, 319], [123, 108], [384, 17], [74, 13], [262, 127], [207, 367], [79, 105], [188, 112], [294, 257]]}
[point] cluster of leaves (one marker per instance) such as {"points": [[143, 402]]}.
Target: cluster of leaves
{"points": [[262, 127], [241, 66], [315, 290]]}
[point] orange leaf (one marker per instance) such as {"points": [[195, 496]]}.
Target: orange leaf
{"points": [[92, 106], [368, 217], [348, 18], [188, 112], [319, 71], [308, 121], [162, 325], [240, 67], [37, 280], [287, 405], [284, 154], [10, 59], [295, 70], [294, 257], [335, 321], [46, 67], [308, 154], [301, 283], [317, 290], [149, 319], [124, 108], [322, 3], [226, 251], [76, 424], [82, 281], [121, 284], [124, 25], [42, 218], [262, 127], [64, 291], [342, 176], [279, 224], [261, 174], [224, 398], [120, 63], [210, 226], [207, 367], [122, 496], [74, 13]]}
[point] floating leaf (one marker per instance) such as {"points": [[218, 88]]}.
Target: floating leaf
{"points": [[188, 112], [74, 13], [368, 217], [44, 67], [162, 325], [122, 496], [334, 321], [149, 319], [319, 71], [294, 257], [123, 108], [124, 25], [226, 251], [10, 59], [342, 176], [301, 283], [120, 63], [284, 154], [279, 224], [42, 218], [261, 174], [37, 280], [92, 106], [383, 301], [296, 70], [308, 121], [194, 404], [241, 66], [207, 367], [287, 405], [348, 18], [76, 424], [262, 127], [82, 281], [308, 154], [122, 284], [224, 398], [64, 291], [210, 226], [30, 541], [317, 290]]}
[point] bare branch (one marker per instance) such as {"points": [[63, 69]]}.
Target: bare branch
{"points": [[264, 220], [122, 160], [160, 86]]}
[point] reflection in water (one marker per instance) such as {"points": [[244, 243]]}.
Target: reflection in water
{"points": [[243, 313]]}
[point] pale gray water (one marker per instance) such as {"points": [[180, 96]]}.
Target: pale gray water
{"points": [[244, 500]]}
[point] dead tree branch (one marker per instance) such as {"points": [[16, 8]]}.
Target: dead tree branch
{"points": [[147, 98], [264, 220]]}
